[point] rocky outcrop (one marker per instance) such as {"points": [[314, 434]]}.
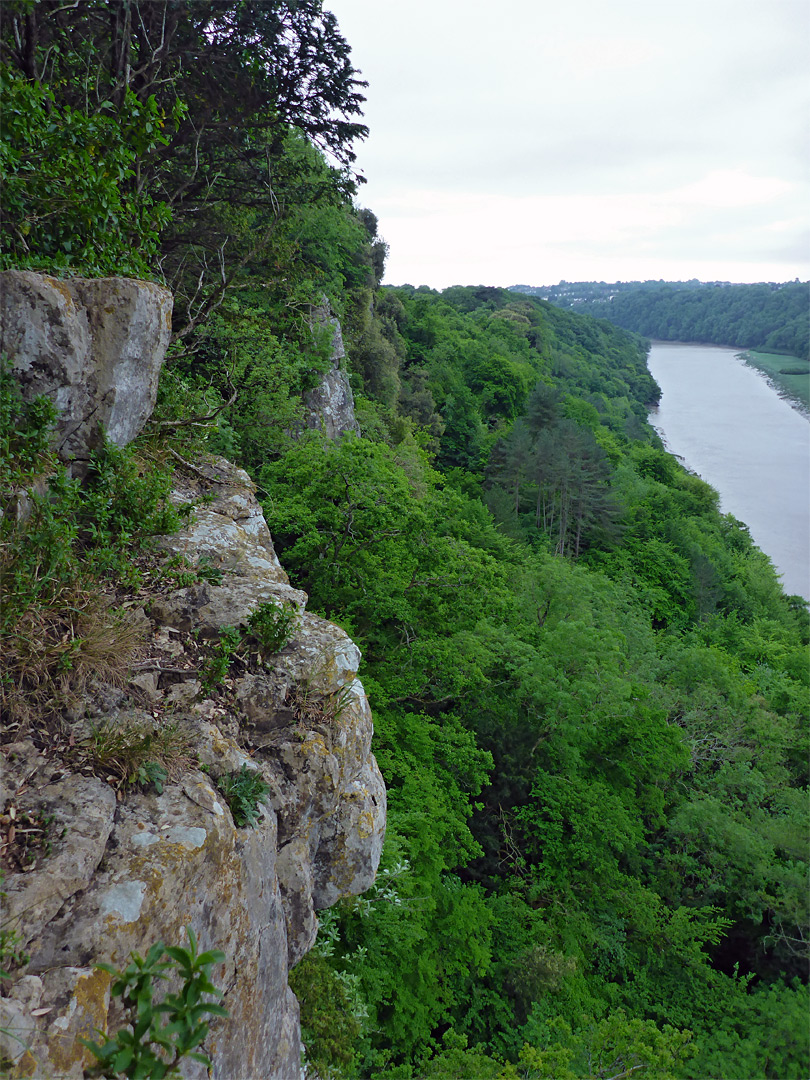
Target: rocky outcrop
{"points": [[330, 406], [94, 346], [125, 867]]}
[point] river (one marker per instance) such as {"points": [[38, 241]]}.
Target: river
{"points": [[728, 425]]}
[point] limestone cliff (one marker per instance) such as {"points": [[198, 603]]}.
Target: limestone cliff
{"points": [[95, 346], [330, 405], [123, 873]]}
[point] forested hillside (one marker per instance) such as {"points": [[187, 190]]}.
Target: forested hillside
{"points": [[590, 693], [774, 318]]}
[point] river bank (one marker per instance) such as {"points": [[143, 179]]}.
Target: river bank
{"points": [[721, 416], [789, 375]]}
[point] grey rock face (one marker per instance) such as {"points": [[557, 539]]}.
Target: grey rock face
{"points": [[85, 806], [125, 874], [231, 535], [94, 346], [330, 406]]}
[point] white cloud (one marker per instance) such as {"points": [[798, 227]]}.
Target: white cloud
{"points": [[536, 141], [731, 188]]}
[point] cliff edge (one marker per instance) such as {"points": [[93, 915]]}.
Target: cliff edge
{"points": [[123, 871]]}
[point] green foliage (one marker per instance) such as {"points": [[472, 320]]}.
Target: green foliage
{"points": [[762, 314], [128, 110], [218, 662], [273, 625], [136, 753], [773, 317], [548, 730], [589, 693], [123, 501], [329, 1029], [146, 1047], [59, 539], [244, 791], [25, 452], [182, 574], [270, 626], [616, 1046], [456, 1060], [241, 346], [762, 1033], [12, 955], [75, 531], [69, 203]]}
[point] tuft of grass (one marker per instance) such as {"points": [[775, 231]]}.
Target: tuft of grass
{"points": [[137, 754], [182, 574], [244, 791], [54, 648], [64, 545], [310, 707]]}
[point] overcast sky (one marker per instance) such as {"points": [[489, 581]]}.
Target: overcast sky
{"points": [[530, 141]]}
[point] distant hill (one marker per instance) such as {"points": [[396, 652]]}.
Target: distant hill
{"points": [[769, 315]]}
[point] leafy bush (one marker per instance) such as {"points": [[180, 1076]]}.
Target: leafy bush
{"points": [[144, 1047], [25, 452], [58, 539], [218, 662], [243, 792], [123, 502], [273, 625], [68, 199], [329, 1029]]}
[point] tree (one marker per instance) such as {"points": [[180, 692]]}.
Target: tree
{"points": [[235, 78]]}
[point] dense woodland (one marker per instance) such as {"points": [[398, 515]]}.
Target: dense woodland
{"points": [[590, 693], [768, 316]]}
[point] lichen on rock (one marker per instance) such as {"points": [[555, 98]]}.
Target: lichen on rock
{"points": [[131, 863], [95, 346]]}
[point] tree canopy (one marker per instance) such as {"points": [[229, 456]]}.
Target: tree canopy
{"points": [[589, 691]]}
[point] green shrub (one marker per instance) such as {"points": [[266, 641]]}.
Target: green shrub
{"points": [[69, 200], [59, 539], [145, 1048], [273, 625], [25, 452], [243, 792], [329, 1029], [72, 532], [217, 664]]}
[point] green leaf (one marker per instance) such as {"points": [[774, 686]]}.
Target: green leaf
{"points": [[121, 1061], [213, 956]]}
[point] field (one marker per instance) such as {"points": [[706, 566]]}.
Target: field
{"points": [[789, 374]]}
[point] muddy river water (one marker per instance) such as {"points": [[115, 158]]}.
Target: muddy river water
{"points": [[731, 427]]}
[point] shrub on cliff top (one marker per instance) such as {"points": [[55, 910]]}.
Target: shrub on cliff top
{"points": [[59, 540]]}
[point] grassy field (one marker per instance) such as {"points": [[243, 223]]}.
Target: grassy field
{"points": [[790, 375]]}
